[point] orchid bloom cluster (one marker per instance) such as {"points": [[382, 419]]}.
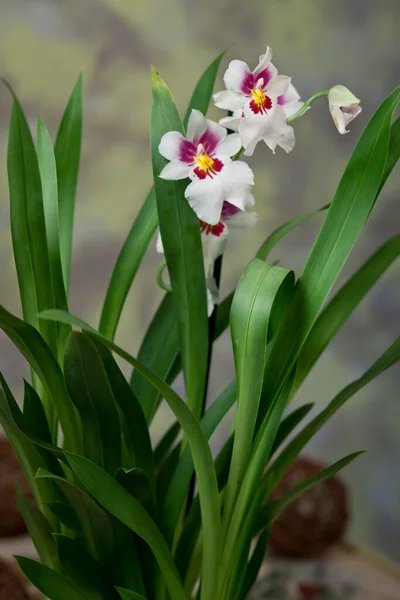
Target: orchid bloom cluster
{"points": [[261, 104]]}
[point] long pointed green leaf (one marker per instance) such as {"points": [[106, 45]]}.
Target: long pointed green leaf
{"points": [[67, 152], [289, 453], [180, 232], [342, 306], [394, 152], [52, 584], [95, 524], [158, 351], [272, 509], [39, 530], [89, 389], [130, 410], [144, 228], [203, 462], [260, 291], [48, 176], [129, 595], [27, 453], [346, 217], [83, 570], [128, 510], [35, 350]]}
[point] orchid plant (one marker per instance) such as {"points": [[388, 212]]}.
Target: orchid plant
{"points": [[117, 516]]}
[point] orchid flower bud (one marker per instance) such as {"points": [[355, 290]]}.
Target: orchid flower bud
{"points": [[343, 106]]}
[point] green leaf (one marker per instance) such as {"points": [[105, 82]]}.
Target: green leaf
{"points": [[342, 305], [180, 480], [261, 290], [95, 524], [394, 152], [289, 453], [89, 389], [83, 570], [52, 584], [131, 412], [48, 176], [144, 228], [129, 595], [180, 232], [33, 347], [39, 529], [201, 453], [161, 451], [288, 424], [66, 515], [272, 509], [254, 565], [203, 91], [34, 417], [346, 217], [136, 482], [67, 152], [127, 265], [129, 511], [29, 456], [283, 230], [158, 351]]}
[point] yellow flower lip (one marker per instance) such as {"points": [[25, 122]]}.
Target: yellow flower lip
{"points": [[258, 96], [204, 162]]}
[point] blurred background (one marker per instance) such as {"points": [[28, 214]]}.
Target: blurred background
{"points": [[44, 44]]}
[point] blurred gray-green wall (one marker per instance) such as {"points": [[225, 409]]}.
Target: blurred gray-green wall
{"points": [[44, 44]]}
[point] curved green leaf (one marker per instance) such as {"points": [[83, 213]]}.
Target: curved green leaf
{"points": [[342, 306], [39, 529], [127, 509], [272, 509], [289, 453], [48, 176], [95, 524], [129, 595], [158, 351], [52, 584], [33, 347], [261, 290], [203, 462], [135, 427], [89, 389], [83, 570], [349, 210], [67, 151]]}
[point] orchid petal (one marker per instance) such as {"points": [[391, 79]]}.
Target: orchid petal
{"points": [[278, 86], [175, 170], [238, 77], [229, 100], [290, 101], [196, 126], [230, 146], [206, 196], [264, 61], [173, 146], [159, 244], [232, 122]]}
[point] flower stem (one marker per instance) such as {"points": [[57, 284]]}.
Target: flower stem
{"points": [[238, 154], [306, 105], [164, 286]]}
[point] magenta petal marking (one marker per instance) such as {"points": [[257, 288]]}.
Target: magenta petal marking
{"points": [[228, 210], [282, 100], [187, 152], [210, 141], [216, 230], [266, 75], [248, 83]]}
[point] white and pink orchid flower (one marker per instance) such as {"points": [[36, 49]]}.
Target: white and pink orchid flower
{"points": [[205, 157], [343, 106], [214, 240], [261, 101]]}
